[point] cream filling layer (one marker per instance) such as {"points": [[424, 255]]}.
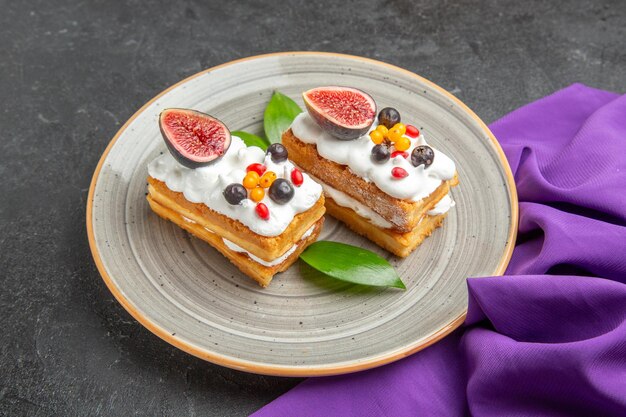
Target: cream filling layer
{"points": [[443, 206], [344, 200], [236, 248]]}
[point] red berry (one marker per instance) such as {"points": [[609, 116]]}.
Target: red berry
{"points": [[403, 154], [398, 172], [296, 177], [262, 211], [258, 168], [412, 131]]}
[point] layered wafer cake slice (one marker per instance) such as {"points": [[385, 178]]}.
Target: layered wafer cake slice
{"points": [[380, 177], [254, 207]]}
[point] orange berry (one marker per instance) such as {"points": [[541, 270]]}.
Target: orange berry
{"points": [[402, 144], [394, 134], [401, 127], [376, 137], [267, 179], [257, 194], [251, 180], [382, 129]]}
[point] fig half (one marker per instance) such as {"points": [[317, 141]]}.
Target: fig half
{"points": [[344, 112], [195, 139]]}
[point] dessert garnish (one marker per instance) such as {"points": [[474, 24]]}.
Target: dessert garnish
{"points": [[344, 112], [262, 211], [267, 179], [251, 139], [388, 117], [377, 136], [277, 152], [235, 193], [251, 180], [351, 264], [397, 137], [256, 167], [257, 194], [296, 177], [281, 191], [380, 153], [422, 155], [258, 179], [403, 154], [195, 139], [412, 131], [278, 115], [399, 172]]}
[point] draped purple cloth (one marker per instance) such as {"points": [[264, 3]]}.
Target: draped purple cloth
{"points": [[548, 339]]}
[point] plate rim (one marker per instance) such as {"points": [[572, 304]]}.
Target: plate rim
{"points": [[308, 370]]}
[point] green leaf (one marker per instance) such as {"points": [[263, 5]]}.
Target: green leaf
{"points": [[251, 140], [351, 264], [279, 113]]}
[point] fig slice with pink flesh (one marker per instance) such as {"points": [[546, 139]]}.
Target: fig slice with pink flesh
{"points": [[344, 112], [195, 139]]}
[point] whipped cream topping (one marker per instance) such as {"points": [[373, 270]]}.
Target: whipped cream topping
{"points": [[356, 155], [443, 206], [206, 184], [236, 248]]}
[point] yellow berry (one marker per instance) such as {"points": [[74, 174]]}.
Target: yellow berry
{"points": [[382, 129], [401, 127], [257, 194], [251, 180], [267, 179], [402, 144], [376, 137], [394, 134]]}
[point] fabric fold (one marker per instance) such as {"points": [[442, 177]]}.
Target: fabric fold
{"points": [[549, 338]]}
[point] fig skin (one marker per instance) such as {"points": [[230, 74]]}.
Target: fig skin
{"points": [[341, 131], [189, 160]]}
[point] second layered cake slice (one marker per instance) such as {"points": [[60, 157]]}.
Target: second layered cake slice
{"points": [[380, 177]]}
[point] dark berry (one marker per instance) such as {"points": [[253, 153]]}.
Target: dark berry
{"points": [[380, 154], [281, 191], [422, 155], [278, 152], [388, 117], [235, 193]]}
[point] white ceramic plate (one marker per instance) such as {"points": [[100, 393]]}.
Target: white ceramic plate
{"points": [[188, 294]]}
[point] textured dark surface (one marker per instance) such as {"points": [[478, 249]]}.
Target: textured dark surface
{"points": [[72, 72]]}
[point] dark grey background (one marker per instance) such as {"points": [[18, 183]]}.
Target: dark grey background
{"points": [[72, 72]]}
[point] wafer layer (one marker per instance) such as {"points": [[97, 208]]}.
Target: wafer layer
{"points": [[265, 247], [263, 274], [400, 244]]}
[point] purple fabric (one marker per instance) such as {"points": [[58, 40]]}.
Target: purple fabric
{"points": [[550, 338]]}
